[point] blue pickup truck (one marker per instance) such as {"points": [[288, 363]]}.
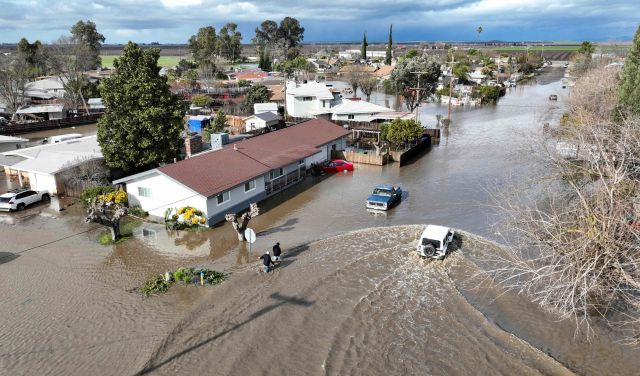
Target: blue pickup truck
{"points": [[384, 196]]}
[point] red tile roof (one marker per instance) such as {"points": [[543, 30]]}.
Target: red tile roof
{"points": [[217, 171]]}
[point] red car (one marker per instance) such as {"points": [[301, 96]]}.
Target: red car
{"points": [[337, 165]]}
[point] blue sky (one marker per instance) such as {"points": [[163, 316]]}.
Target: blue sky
{"points": [[173, 21]]}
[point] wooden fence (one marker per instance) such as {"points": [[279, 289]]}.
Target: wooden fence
{"points": [[365, 157]]}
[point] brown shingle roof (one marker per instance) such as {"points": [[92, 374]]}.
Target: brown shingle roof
{"points": [[217, 171]]}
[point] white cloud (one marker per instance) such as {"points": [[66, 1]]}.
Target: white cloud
{"points": [[181, 3]]}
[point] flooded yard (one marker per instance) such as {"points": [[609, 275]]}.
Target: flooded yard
{"points": [[354, 302]]}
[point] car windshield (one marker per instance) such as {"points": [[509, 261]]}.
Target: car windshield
{"points": [[5, 199], [435, 243], [382, 192]]}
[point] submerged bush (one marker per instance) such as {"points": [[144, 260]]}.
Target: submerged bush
{"points": [[159, 284]]}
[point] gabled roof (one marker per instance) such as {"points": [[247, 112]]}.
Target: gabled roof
{"points": [[310, 89], [49, 83], [358, 107], [217, 171], [266, 116], [42, 108]]}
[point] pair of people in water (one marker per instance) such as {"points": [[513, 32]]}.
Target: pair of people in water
{"points": [[267, 261]]}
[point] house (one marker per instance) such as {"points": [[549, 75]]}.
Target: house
{"points": [[357, 110], [45, 88], [43, 112], [353, 54], [277, 93], [229, 179], [383, 72], [477, 77], [11, 143], [42, 166], [307, 100], [319, 65], [96, 105], [259, 108], [261, 121]]}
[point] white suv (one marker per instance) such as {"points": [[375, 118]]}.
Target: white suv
{"points": [[434, 241], [21, 198]]}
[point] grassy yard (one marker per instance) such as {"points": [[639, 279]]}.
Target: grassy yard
{"points": [[164, 61]]}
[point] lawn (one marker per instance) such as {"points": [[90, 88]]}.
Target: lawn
{"points": [[164, 61]]}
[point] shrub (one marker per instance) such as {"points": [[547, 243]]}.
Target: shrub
{"points": [[155, 285], [489, 94], [89, 194], [158, 284], [137, 211]]}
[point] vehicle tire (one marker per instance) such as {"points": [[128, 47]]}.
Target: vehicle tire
{"points": [[429, 250], [46, 197], [21, 207]]}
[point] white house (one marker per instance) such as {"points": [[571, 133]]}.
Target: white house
{"points": [[307, 100], [261, 121], [477, 77], [8, 143], [41, 166], [46, 88], [259, 108], [229, 179], [357, 110], [352, 54]]}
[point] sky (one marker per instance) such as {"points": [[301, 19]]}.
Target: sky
{"points": [[173, 21]]}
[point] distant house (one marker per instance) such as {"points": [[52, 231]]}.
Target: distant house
{"points": [[11, 143], [308, 100], [321, 66], [229, 179], [357, 110], [353, 54], [478, 77], [41, 167], [95, 105], [43, 112], [46, 88], [261, 121]]}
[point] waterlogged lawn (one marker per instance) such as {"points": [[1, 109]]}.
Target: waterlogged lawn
{"points": [[126, 230], [164, 61]]}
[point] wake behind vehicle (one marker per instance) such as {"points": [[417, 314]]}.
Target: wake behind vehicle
{"points": [[19, 199], [435, 241], [384, 196]]}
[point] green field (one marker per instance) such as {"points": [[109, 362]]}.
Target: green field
{"points": [[536, 48], [164, 61]]}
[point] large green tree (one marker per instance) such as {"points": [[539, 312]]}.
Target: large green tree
{"points": [[85, 34], [289, 37], [629, 92], [203, 45], [143, 122], [230, 42], [389, 54], [257, 94], [35, 56], [400, 131], [409, 73]]}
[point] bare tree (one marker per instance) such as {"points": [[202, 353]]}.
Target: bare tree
{"points": [[70, 58], [575, 240], [368, 83], [353, 75], [14, 74], [240, 223], [107, 214]]}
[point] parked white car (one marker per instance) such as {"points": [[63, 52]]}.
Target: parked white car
{"points": [[21, 198], [435, 241]]}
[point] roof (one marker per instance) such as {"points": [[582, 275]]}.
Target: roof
{"points": [[49, 83], [310, 89], [9, 139], [213, 172], [385, 186], [384, 70], [435, 232], [266, 116], [52, 158], [358, 107], [262, 107], [42, 108]]}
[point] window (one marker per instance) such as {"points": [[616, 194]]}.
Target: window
{"points": [[144, 192], [223, 197], [250, 186], [301, 162], [350, 117], [324, 103], [274, 174], [307, 99]]}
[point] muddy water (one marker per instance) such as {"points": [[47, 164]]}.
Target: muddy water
{"points": [[353, 304]]}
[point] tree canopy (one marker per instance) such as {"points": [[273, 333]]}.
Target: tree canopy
{"points": [[285, 37], [230, 42], [143, 123], [388, 56], [203, 45], [363, 47], [629, 92], [401, 130], [86, 35], [586, 48], [406, 81], [297, 65], [257, 94]]}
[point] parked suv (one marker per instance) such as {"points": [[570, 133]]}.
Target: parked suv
{"points": [[21, 198]]}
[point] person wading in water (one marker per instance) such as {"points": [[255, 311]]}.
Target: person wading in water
{"points": [[277, 252], [266, 262]]}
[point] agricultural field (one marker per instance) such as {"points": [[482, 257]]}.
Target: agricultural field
{"points": [[164, 61], [573, 47]]}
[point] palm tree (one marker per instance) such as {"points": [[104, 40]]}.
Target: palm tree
{"points": [[479, 31]]}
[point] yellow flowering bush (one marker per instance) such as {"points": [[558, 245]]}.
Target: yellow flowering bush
{"points": [[188, 216], [117, 197]]}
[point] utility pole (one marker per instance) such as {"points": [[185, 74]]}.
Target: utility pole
{"points": [[418, 90]]}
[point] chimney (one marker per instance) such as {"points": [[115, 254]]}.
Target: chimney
{"points": [[187, 145]]}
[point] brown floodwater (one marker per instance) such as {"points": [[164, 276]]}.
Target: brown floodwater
{"points": [[349, 298]]}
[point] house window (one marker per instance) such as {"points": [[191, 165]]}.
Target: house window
{"points": [[144, 192], [223, 197], [307, 99], [250, 186], [351, 117], [274, 174], [301, 162], [324, 103]]}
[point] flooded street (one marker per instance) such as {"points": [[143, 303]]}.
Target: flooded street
{"points": [[349, 297]]}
